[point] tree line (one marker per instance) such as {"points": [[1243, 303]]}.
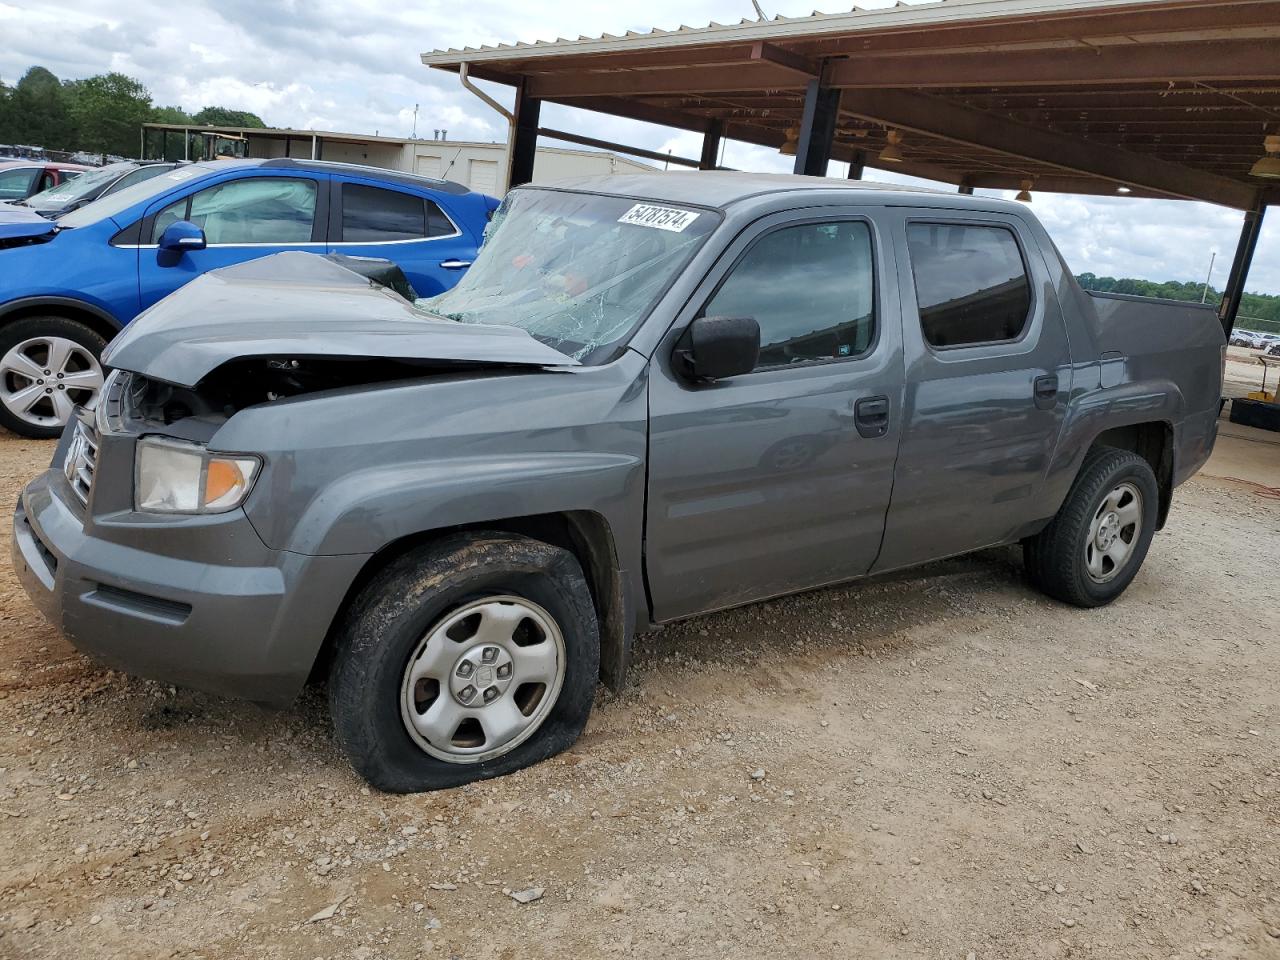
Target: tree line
{"points": [[1258, 305], [99, 114]]}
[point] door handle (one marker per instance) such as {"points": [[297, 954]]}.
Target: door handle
{"points": [[455, 264], [1046, 391], [871, 416]]}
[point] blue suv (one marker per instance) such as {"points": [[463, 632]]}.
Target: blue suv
{"points": [[67, 286]]}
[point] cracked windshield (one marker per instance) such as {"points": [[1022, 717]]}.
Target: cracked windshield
{"points": [[578, 271]]}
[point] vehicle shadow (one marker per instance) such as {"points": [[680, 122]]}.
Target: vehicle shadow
{"points": [[869, 615]]}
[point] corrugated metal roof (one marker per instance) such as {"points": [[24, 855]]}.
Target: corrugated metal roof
{"points": [[817, 24]]}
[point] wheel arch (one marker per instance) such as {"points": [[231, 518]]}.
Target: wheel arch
{"points": [[584, 533], [94, 317], [1153, 441]]}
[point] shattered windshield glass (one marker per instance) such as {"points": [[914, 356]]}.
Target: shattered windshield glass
{"points": [[577, 271]]}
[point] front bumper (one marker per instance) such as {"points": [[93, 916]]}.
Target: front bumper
{"points": [[242, 621]]}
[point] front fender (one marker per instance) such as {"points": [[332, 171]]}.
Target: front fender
{"points": [[364, 511]]}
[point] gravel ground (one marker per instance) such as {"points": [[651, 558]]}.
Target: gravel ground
{"points": [[939, 766]]}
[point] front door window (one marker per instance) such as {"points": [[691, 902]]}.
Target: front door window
{"points": [[269, 210]]}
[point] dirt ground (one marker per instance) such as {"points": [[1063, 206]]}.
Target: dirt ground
{"points": [[1244, 372], [940, 766]]}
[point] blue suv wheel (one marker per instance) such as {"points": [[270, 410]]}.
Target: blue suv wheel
{"points": [[48, 366]]}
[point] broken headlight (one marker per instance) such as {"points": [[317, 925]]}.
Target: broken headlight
{"points": [[171, 476]]}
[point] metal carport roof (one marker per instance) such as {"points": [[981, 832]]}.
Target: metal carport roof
{"points": [[1159, 98]]}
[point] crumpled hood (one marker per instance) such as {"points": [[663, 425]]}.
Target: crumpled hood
{"points": [[300, 305], [19, 222]]}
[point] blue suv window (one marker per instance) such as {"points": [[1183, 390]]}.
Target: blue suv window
{"points": [[374, 215], [260, 210]]}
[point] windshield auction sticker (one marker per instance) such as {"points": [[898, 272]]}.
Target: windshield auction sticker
{"points": [[659, 218]]}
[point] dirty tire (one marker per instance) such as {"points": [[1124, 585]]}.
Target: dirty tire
{"points": [[14, 333], [383, 627], [1055, 558]]}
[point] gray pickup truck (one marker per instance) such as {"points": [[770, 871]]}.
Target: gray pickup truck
{"points": [[651, 397]]}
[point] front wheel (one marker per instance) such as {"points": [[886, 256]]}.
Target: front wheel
{"points": [[465, 659], [48, 366], [1094, 547]]}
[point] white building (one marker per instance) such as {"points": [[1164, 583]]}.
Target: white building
{"points": [[480, 166]]}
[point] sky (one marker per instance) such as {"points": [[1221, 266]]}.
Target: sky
{"points": [[352, 66]]}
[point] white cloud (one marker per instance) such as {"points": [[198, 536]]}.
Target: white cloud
{"points": [[352, 65]]}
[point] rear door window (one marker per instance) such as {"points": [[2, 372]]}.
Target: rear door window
{"points": [[136, 176], [811, 288], [375, 215], [971, 283]]}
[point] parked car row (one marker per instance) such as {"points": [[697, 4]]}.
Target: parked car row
{"points": [[20, 179], [89, 186], [1254, 340], [70, 281]]}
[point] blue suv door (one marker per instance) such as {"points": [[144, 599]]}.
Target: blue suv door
{"points": [[252, 214], [415, 229]]}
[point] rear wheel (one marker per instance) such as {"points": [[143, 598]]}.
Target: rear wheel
{"points": [[48, 366], [465, 659], [1094, 547]]}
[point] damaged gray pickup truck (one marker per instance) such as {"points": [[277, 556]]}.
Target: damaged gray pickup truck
{"points": [[651, 397]]}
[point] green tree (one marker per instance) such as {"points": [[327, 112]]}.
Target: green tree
{"points": [[108, 112], [226, 117], [36, 111], [170, 115], [1256, 305], [6, 111]]}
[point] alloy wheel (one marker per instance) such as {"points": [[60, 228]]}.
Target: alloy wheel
{"points": [[43, 379]]}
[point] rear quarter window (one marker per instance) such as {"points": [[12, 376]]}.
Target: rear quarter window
{"points": [[375, 215]]}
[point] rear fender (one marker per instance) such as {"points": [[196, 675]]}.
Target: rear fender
{"points": [[1094, 412]]}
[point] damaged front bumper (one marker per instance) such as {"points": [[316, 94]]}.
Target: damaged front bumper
{"points": [[199, 602]]}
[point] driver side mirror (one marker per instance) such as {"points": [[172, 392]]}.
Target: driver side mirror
{"points": [[180, 236], [716, 348]]}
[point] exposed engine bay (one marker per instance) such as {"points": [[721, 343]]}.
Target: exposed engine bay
{"points": [[252, 381]]}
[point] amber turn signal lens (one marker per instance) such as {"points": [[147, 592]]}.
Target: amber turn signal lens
{"points": [[223, 477]]}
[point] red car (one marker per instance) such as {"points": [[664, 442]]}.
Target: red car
{"points": [[20, 179]]}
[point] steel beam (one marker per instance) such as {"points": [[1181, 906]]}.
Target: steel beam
{"points": [[1239, 275], [857, 165], [930, 116], [772, 53], [1222, 61], [817, 129], [711, 145], [524, 137], [1122, 63], [568, 137], [723, 78]]}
